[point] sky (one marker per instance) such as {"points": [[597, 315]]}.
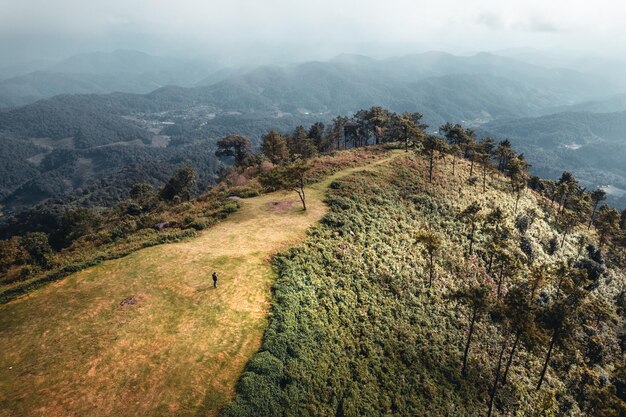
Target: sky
{"points": [[248, 32]]}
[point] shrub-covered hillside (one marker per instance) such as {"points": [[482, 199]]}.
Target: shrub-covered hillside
{"points": [[365, 322]]}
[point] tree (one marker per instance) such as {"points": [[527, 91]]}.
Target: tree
{"points": [[274, 147], [336, 131], [521, 314], [455, 151], [432, 146], [519, 177], [74, 224], [607, 223], [182, 185], [483, 158], [457, 136], [565, 187], [38, 248], [143, 197], [471, 216], [498, 234], [300, 145], [431, 242], [287, 177], [567, 222], [504, 152], [478, 300], [11, 253], [378, 119], [406, 128], [237, 146], [561, 318], [317, 135], [597, 195]]}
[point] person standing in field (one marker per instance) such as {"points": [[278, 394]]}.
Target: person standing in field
{"points": [[214, 279]]}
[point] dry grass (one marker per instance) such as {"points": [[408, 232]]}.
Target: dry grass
{"points": [[71, 349]]}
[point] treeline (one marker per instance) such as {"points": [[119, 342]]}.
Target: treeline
{"points": [[377, 125]]}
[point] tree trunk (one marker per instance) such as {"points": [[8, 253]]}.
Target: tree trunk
{"points": [[595, 206], [300, 191], [430, 265], [430, 169], [469, 340], [406, 140], [516, 202], [471, 166], [490, 263], [494, 389], [511, 355], [545, 365], [500, 280], [453, 163], [485, 178]]}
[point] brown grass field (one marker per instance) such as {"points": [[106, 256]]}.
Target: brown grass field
{"points": [[178, 346]]}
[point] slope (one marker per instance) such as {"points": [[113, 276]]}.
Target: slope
{"points": [[146, 334], [357, 330]]}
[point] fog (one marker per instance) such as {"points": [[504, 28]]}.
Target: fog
{"points": [[239, 32]]}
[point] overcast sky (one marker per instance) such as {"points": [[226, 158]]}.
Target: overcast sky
{"points": [[236, 31]]}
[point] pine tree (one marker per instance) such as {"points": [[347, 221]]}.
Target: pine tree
{"points": [[431, 242], [478, 301], [471, 216], [274, 147]]}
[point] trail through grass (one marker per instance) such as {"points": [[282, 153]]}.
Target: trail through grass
{"points": [[176, 346]]}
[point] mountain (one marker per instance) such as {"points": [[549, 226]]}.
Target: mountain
{"points": [[609, 69], [397, 291], [472, 90], [590, 145], [124, 71], [611, 104]]}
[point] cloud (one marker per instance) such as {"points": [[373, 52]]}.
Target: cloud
{"points": [[533, 23], [301, 29], [538, 24], [491, 21]]}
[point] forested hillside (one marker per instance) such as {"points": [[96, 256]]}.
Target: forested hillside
{"points": [[443, 280], [445, 298], [590, 145]]}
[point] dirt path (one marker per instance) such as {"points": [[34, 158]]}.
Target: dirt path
{"points": [[176, 346]]}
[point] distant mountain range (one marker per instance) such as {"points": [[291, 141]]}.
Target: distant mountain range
{"points": [[100, 73], [58, 145]]}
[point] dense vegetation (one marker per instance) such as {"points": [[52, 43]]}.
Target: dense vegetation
{"points": [[358, 327], [439, 285]]}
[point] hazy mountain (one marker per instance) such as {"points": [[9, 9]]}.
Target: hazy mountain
{"points": [[609, 69], [471, 90], [124, 71], [14, 70], [611, 104], [590, 145], [442, 86]]}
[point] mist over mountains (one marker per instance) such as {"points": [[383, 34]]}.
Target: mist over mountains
{"points": [[71, 128]]}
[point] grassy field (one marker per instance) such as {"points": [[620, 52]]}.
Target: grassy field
{"points": [[147, 334]]}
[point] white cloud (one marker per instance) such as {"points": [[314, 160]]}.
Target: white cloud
{"points": [[320, 27]]}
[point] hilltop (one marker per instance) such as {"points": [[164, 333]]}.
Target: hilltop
{"points": [[426, 277]]}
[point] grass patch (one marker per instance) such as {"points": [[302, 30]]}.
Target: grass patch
{"points": [[73, 347]]}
